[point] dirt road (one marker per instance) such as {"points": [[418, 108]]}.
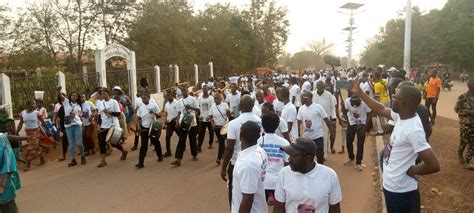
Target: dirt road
{"points": [[159, 187]]}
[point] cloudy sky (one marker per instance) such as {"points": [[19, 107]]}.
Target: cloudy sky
{"points": [[322, 19]]}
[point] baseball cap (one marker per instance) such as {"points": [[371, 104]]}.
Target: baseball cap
{"points": [[301, 145], [117, 88]]}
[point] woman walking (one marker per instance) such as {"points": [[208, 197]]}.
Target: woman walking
{"points": [[31, 118], [73, 125], [88, 114]]}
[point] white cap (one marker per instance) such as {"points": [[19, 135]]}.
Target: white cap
{"points": [[117, 88], [285, 85]]}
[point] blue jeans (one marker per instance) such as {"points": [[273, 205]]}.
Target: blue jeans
{"points": [[74, 135]]}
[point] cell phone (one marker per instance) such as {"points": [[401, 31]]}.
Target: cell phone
{"points": [[343, 84]]}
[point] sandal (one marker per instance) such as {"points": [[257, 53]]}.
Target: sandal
{"points": [[102, 164]]}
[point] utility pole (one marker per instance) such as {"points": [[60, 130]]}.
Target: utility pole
{"points": [[407, 49]]}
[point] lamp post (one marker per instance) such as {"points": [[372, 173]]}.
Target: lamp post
{"points": [[351, 28], [407, 49]]}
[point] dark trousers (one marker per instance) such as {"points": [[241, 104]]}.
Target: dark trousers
{"points": [[136, 138], [9, 207], [183, 134], [88, 141], [352, 130], [407, 202], [221, 140], [202, 133], [319, 149], [429, 102], [144, 146], [103, 143], [230, 173], [170, 128]]}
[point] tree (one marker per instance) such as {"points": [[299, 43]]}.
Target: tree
{"points": [[270, 25], [320, 48], [306, 59], [332, 61], [114, 19]]}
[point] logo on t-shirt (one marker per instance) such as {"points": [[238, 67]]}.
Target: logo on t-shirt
{"points": [[387, 151], [308, 124]]}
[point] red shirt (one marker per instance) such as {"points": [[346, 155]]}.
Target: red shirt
{"points": [[269, 97]]}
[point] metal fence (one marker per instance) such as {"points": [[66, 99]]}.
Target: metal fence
{"points": [[22, 90], [148, 73], [204, 72], [167, 77], [186, 74]]}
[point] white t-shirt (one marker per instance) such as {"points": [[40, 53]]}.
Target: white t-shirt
{"points": [[219, 113], [87, 110], [146, 116], [30, 119], [233, 101], [73, 110], [205, 105], [257, 110], [271, 143], [282, 127], [234, 79], [407, 139], [289, 115], [295, 92], [233, 131], [171, 110], [315, 190], [278, 106], [306, 86], [327, 101], [360, 111], [248, 177], [365, 86], [190, 100], [312, 118], [139, 102], [108, 120]]}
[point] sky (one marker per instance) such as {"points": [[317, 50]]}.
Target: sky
{"points": [[322, 19]]}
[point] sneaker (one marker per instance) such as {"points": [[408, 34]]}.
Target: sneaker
{"points": [[350, 162], [359, 167], [139, 165], [167, 154]]}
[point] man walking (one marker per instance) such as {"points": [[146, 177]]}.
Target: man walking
{"points": [[312, 115], [432, 94], [249, 172], [328, 102]]}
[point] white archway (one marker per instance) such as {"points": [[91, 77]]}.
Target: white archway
{"points": [[118, 50]]}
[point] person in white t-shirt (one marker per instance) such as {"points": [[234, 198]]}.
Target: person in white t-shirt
{"points": [[306, 86], [138, 104], [188, 107], [407, 142], [295, 92], [88, 113], [277, 158], [109, 112], [233, 147], [205, 102], [172, 112], [289, 113], [306, 186], [234, 79], [312, 115], [282, 129], [249, 172], [147, 114], [259, 101], [233, 99], [219, 116], [328, 102], [357, 113]]}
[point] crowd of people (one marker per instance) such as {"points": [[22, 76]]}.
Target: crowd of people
{"points": [[274, 132]]}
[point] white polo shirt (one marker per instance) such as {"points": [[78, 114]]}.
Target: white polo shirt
{"points": [[271, 143], [145, 115], [313, 191], [289, 115], [248, 178], [407, 140], [356, 114], [171, 110], [312, 118], [233, 131], [327, 101]]}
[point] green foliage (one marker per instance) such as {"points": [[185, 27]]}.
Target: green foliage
{"points": [[440, 36], [332, 61]]}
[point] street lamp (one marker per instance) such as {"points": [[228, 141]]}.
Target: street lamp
{"points": [[351, 7]]}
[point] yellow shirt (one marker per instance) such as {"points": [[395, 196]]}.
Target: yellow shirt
{"points": [[381, 89]]}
